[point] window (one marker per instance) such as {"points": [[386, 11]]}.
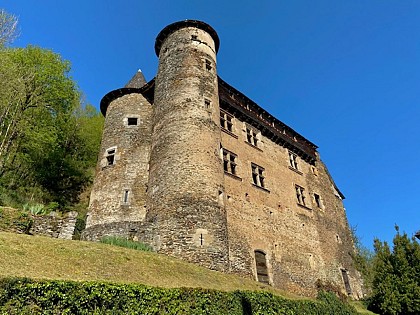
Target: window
{"points": [[207, 103], [132, 121], [226, 121], [229, 162], [110, 156], [193, 37], [318, 200], [261, 266], [258, 177], [208, 65], [300, 195], [251, 136], [125, 198], [346, 281], [293, 159]]}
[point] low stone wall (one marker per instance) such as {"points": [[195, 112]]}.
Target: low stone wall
{"points": [[55, 226]]}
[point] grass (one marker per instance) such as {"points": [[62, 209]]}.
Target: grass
{"points": [[122, 242], [40, 257]]}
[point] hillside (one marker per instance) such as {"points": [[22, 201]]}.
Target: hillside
{"points": [[40, 257]]}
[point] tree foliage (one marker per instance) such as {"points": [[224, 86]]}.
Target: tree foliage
{"points": [[8, 27], [48, 142], [396, 281]]}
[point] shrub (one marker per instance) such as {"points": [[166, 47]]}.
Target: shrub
{"points": [[122, 242], [24, 296]]}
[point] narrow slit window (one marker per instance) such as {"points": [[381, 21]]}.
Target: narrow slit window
{"points": [[125, 196], [318, 200]]}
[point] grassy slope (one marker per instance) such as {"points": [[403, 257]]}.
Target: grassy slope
{"points": [[40, 257]]}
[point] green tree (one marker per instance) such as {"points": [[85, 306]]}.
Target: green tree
{"points": [[46, 147], [8, 27], [396, 281]]}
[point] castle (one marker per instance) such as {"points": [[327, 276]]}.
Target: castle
{"points": [[197, 170]]}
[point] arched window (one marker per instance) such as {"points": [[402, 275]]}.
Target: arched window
{"points": [[261, 266]]}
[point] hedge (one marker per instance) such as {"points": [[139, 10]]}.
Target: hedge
{"points": [[26, 296]]}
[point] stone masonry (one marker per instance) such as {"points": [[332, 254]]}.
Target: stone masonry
{"points": [[197, 170]]}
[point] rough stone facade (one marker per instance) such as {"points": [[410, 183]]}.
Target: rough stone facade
{"points": [[197, 170]]}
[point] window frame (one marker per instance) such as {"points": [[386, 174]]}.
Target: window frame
{"points": [[258, 176], [230, 162], [300, 196], [226, 120]]}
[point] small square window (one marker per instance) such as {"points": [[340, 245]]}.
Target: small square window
{"points": [[132, 121]]}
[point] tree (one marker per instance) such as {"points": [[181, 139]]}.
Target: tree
{"points": [[396, 281], [8, 28], [45, 147]]}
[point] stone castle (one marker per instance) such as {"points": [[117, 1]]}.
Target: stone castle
{"points": [[194, 168]]}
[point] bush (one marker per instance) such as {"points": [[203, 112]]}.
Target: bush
{"points": [[122, 242], [24, 296]]}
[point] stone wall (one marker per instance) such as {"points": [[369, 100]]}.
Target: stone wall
{"points": [[185, 174], [302, 243], [55, 226], [119, 191]]}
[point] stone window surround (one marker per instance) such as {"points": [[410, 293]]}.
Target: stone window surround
{"points": [[130, 116], [258, 177], [110, 156], [294, 165], [301, 196], [227, 123], [229, 162]]}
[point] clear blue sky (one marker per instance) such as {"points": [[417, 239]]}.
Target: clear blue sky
{"points": [[344, 74]]}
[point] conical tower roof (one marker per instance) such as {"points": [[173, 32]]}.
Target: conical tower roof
{"points": [[137, 81]]}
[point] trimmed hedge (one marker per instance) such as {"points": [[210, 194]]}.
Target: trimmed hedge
{"points": [[25, 296]]}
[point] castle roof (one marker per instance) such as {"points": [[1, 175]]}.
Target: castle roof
{"points": [[137, 81], [242, 107]]}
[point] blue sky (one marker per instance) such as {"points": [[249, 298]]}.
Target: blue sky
{"points": [[344, 74]]}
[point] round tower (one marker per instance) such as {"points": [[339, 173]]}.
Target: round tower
{"points": [[185, 192], [118, 198]]}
